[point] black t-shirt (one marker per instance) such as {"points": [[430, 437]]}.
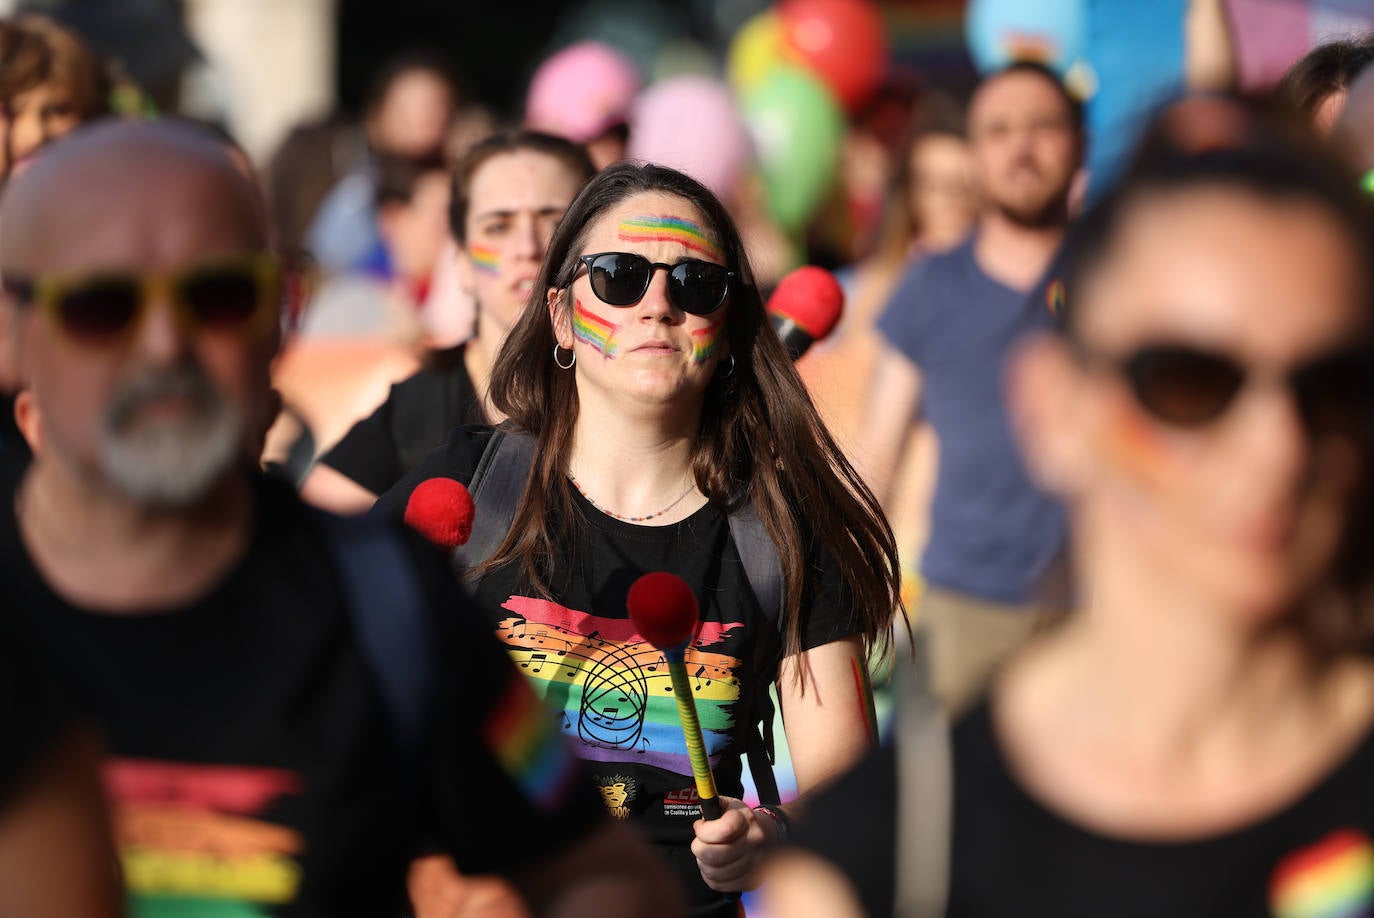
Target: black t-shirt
{"points": [[1012, 856], [418, 415], [611, 688], [252, 764], [36, 712]]}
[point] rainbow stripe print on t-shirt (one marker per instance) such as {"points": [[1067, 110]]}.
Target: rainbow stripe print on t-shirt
{"points": [[613, 687], [1332, 879], [191, 841]]}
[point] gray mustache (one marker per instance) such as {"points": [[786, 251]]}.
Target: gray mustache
{"points": [[186, 381]]}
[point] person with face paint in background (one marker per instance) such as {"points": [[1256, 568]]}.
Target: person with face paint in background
{"points": [[1196, 737], [508, 194], [261, 753], [659, 402]]}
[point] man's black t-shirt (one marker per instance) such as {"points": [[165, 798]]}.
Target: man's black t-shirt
{"points": [[609, 686], [1012, 856], [36, 712], [418, 415], [252, 768]]}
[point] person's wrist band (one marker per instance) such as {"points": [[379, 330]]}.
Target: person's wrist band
{"points": [[780, 819]]}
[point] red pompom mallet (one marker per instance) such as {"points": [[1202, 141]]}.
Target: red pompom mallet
{"points": [[441, 510], [664, 611], [805, 308]]}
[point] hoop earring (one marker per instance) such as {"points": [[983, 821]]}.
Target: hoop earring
{"points": [[556, 361], [730, 372]]}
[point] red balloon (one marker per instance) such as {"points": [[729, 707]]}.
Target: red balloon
{"points": [[842, 41]]}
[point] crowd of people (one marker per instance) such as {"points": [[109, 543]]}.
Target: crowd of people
{"points": [[1091, 477]]}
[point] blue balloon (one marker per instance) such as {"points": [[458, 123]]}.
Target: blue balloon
{"points": [[1001, 32]]}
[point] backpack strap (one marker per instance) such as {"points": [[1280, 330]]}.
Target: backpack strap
{"points": [[495, 486], [925, 791], [762, 568], [390, 621]]}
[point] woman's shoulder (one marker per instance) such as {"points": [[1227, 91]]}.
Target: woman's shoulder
{"points": [[462, 452], [457, 459]]}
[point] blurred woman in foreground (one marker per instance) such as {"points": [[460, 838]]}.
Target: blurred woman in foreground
{"points": [[508, 194], [1198, 738]]}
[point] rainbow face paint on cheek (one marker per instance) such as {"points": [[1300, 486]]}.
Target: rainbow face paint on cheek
{"points": [[667, 228], [594, 331], [484, 259], [704, 341], [1132, 441]]}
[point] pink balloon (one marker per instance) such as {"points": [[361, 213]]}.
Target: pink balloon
{"points": [[691, 124], [581, 91]]}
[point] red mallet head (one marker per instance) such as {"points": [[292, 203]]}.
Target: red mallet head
{"points": [[663, 609], [812, 298], [441, 510]]}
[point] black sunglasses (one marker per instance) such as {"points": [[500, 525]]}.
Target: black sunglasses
{"points": [[235, 295], [622, 279], [1190, 387]]}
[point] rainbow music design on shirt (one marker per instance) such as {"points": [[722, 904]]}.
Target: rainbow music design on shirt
{"points": [[1332, 879], [613, 687], [190, 845]]}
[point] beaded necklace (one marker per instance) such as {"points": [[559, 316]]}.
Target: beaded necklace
{"points": [[631, 519]]}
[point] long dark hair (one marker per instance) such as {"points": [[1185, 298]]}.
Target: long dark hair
{"points": [[761, 439], [1219, 142]]}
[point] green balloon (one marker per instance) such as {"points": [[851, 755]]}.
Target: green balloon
{"points": [[798, 128]]}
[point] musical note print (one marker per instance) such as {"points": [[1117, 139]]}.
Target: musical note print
{"points": [[613, 687]]}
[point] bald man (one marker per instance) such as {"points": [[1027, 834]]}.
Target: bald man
{"points": [[1355, 125], [295, 705]]}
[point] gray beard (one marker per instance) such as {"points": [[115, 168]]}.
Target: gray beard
{"points": [[171, 464]]}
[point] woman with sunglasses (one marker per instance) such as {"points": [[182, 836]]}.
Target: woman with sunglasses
{"points": [[1198, 738], [508, 193], [660, 403]]}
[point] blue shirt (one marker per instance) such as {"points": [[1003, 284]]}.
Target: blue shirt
{"points": [[993, 534]]}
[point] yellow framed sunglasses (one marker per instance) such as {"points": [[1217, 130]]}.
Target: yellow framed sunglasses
{"points": [[238, 295]]}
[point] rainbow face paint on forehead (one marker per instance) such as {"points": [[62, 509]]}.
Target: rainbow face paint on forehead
{"points": [[591, 329], [668, 228], [484, 259], [704, 341]]}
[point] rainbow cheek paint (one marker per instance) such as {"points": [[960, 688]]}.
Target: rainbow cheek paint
{"points": [[667, 228], [595, 331], [484, 259], [704, 341]]}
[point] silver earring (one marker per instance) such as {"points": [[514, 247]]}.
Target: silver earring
{"points": [[730, 372], [558, 363]]}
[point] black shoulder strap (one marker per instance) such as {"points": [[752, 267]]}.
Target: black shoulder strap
{"points": [[759, 556], [390, 621], [496, 486], [762, 568]]}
